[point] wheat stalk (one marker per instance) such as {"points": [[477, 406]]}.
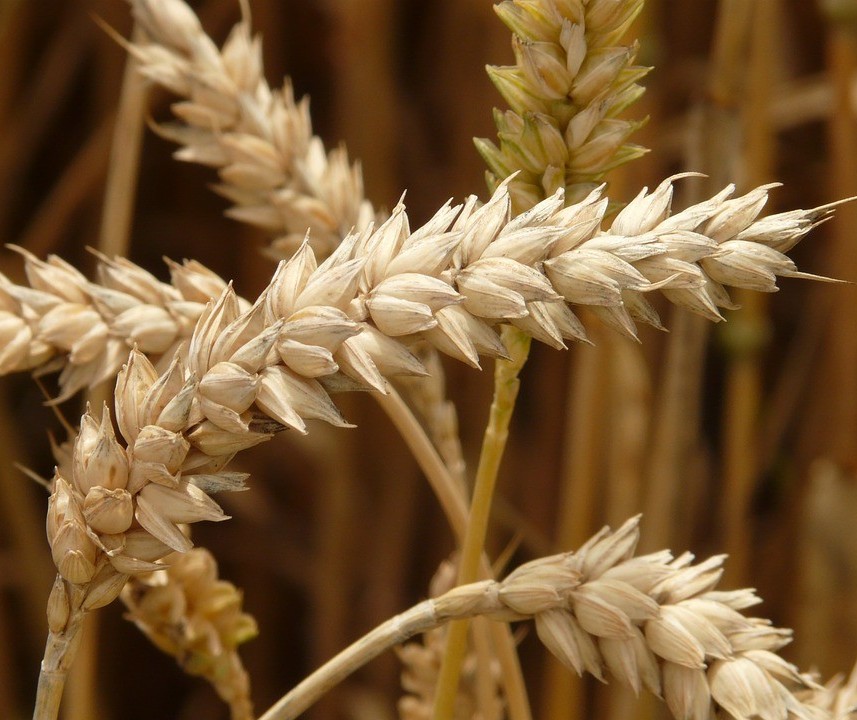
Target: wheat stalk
{"points": [[653, 622], [506, 387]]}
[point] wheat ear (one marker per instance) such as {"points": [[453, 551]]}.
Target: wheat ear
{"points": [[569, 82], [246, 374], [192, 615], [654, 622], [272, 167], [470, 267]]}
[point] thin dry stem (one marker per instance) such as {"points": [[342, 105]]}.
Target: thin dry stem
{"points": [[714, 148], [629, 418], [60, 650], [842, 133], [447, 490], [506, 385], [82, 686], [451, 497], [49, 83], [121, 190], [749, 334]]}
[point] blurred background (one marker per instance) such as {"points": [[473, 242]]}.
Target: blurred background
{"points": [[735, 438]]}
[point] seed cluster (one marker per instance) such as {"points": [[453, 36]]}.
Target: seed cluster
{"points": [[449, 282], [249, 371], [271, 166], [569, 83], [654, 622], [192, 615]]}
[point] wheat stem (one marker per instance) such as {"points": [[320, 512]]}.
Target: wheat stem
{"points": [[60, 650], [750, 331], [453, 504], [841, 60], [445, 488], [506, 385], [117, 213], [397, 629]]}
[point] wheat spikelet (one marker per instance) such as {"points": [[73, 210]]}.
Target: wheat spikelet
{"points": [[569, 82], [450, 282], [189, 613], [654, 622], [836, 699], [272, 168]]}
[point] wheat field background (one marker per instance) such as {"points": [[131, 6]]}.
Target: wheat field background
{"points": [[738, 438]]}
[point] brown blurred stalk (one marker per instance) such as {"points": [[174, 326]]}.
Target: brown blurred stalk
{"points": [[842, 63], [749, 328], [364, 62]]}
